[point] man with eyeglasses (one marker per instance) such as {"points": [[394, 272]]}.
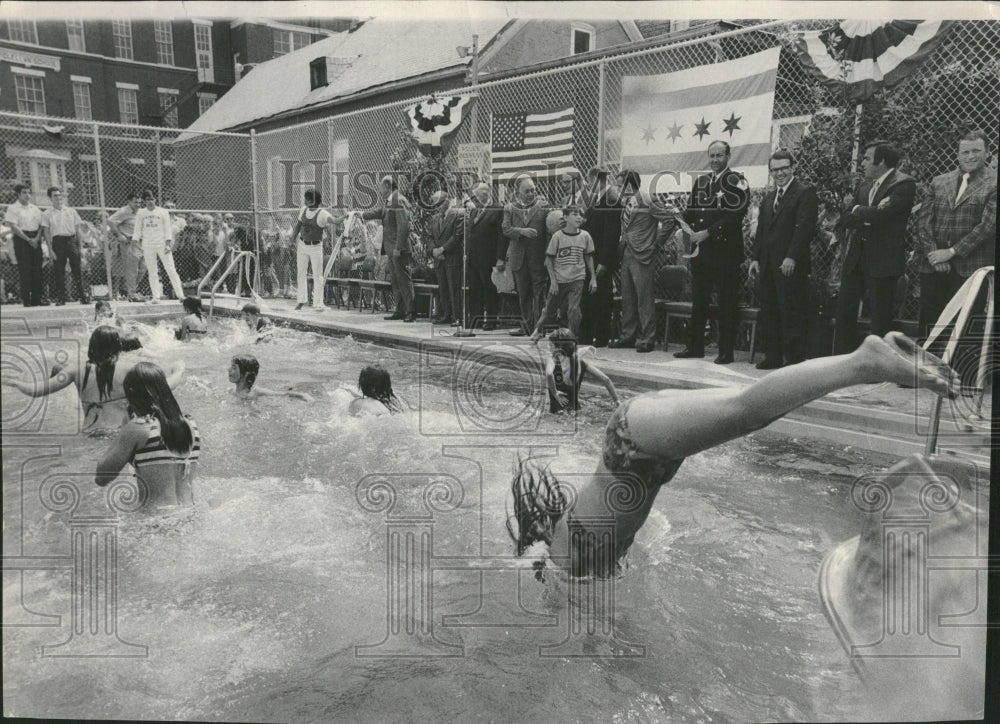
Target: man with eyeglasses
{"points": [[782, 258]]}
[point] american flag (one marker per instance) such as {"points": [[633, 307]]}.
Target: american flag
{"points": [[534, 142]]}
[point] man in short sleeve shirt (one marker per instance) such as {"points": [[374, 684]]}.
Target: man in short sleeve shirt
{"points": [[25, 220]]}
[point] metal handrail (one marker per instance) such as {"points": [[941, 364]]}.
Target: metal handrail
{"points": [[236, 261]]}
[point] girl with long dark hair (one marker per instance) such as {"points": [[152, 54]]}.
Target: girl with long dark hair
{"points": [[158, 440], [99, 380]]}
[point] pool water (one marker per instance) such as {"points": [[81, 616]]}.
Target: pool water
{"points": [[253, 605]]}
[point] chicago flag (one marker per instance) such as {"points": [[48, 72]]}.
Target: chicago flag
{"points": [[668, 120]]}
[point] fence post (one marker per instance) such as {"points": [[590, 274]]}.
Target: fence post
{"points": [[600, 113], [159, 168], [104, 208], [253, 202]]}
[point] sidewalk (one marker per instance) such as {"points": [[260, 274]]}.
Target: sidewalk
{"points": [[881, 418]]}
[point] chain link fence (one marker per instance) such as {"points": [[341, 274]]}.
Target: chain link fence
{"points": [[344, 156], [100, 165]]}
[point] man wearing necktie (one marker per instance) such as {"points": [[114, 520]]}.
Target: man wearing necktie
{"points": [[876, 245], [715, 214], [782, 256], [956, 227]]}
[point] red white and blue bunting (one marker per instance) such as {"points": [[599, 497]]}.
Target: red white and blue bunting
{"points": [[435, 119], [866, 54]]}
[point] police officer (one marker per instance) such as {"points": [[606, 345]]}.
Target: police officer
{"points": [[715, 214]]}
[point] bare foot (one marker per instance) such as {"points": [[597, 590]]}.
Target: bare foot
{"points": [[897, 358]]}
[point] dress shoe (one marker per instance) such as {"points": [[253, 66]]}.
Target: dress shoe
{"points": [[394, 317], [642, 348], [767, 364], [489, 327], [44, 303], [518, 333], [456, 323], [299, 306], [724, 359], [410, 318], [622, 344], [61, 303], [688, 354]]}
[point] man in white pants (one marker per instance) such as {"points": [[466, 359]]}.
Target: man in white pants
{"points": [[154, 233], [313, 223]]}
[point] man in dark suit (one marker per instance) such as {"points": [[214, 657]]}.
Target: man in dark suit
{"points": [[486, 247], [782, 256], [715, 214], [524, 226], [396, 218], [875, 217], [446, 229], [604, 224]]}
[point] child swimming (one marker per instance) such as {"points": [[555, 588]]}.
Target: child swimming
{"points": [[564, 373], [649, 436], [99, 380], [263, 326], [193, 323], [243, 373], [377, 397], [158, 440]]}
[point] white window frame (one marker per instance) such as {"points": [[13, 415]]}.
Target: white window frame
{"points": [[581, 28], [83, 108], [25, 28], [127, 92], [37, 83], [202, 98], [286, 39], [206, 72], [677, 25], [171, 93], [29, 171], [121, 32], [71, 35], [163, 37]]}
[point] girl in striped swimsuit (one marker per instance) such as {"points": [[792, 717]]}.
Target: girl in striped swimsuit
{"points": [[160, 442]]}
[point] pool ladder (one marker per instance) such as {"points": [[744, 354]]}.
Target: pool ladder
{"points": [[241, 260]]}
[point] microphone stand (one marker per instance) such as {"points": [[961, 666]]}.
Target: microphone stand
{"points": [[462, 331]]}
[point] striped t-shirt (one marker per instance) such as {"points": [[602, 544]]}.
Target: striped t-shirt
{"points": [[568, 251]]}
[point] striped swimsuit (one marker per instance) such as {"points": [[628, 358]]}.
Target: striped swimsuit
{"points": [[154, 450]]}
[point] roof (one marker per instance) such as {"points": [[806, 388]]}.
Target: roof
{"points": [[381, 51]]}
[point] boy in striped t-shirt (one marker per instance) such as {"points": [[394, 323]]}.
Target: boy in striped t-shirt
{"points": [[569, 259]]}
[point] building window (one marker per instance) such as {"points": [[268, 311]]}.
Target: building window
{"points": [[23, 31], [88, 184], [40, 170], [128, 106], [676, 25], [205, 101], [122, 31], [81, 101], [203, 52], [163, 33], [582, 39], [74, 31], [168, 100], [287, 41], [30, 94]]}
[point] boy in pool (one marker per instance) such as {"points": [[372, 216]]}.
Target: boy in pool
{"points": [[243, 372], [564, 372], [649, 436], [193, 323], [377, 397], [262, 325]]}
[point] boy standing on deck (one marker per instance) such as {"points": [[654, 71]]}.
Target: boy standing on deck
{"points": [[155, 234], [569, 258]]}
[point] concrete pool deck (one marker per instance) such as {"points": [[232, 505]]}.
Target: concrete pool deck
{"points": [[879, 418]]}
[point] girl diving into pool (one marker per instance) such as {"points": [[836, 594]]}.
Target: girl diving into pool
{"points": [[648, 437], [159, 441], [564, 373], [193, 323], [243, 372], [99, 380]]}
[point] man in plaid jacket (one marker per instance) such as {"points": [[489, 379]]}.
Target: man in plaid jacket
{"points": [[956, 227]]}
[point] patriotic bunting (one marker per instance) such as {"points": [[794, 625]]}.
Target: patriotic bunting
{"points": [[866, 54], [432, 121]]}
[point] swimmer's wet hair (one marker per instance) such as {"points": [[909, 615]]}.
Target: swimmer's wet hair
{"points": [[192, 305], [248, 367], [539, 503], [100, 306], [564, 340], [148, 393], [250, 308], [374, 382]]}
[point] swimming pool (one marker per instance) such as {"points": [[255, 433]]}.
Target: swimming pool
{"points": [[265, 602]]}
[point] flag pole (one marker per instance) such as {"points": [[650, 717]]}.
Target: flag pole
{"points": [[462, 331]]}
